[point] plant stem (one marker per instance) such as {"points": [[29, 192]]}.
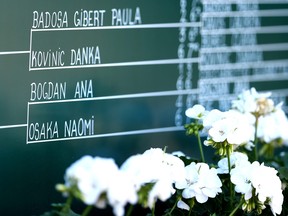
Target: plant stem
{"points": [[189, 214], [67, 205], [191, 206], [228, 158], [256, 139], [129, 211], [200, 147], [153, 210], [174, 206], [87, 210], [230, 183], [236, 208]]}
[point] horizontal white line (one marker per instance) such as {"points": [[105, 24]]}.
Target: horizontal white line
{"points": [[268, 77], [244, 2], [125, 96], [247, 48], [141, 26], [13, 126], [247, 13], [121, 64], [246, 78], [125, 133], [247, 30], [14, 52], [228, 96], [215, 97], [245, 65]]}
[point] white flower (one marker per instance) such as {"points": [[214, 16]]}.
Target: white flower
{"points": [[249, 146], [234, 127], [253, 102], [191, 177], [273, 126], [263, 179], [220, 130], [163, 190], [250, 101], [183, 205], [92, 177], [241, 177], [212, 117], [200, 182], [138, 168], [171, 169], [235, 158], [120, 192], [268, 186], [196, 112], [155, 166], [242, 127], [179, 154]]}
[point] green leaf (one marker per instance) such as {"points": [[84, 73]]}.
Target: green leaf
{"points": [[285, 159], [143, 194], [56, 211], [283, 171]]}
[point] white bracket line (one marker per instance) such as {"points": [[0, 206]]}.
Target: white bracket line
{"points": [[14, 52], [125, 133], [247, 30], [124, 96], [122, 64], [142, 26], [13, 126], [246, 48], [247, 13], [245, 65], [245, 2]]}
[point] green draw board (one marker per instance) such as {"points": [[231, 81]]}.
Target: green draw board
{"points": [[114, 78]]}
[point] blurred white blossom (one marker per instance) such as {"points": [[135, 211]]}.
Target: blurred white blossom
{"points": [[155, 166], [273, 126], [85, 173], [196, 112], [272, 121], [120, 192], [162, 190], [250, 101], [99, 182], [212, 117]]}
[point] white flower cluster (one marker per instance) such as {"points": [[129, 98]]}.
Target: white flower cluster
{"points": [[157, 175], [273, 123], [92, 178], [250, 112], [232, 126], [237, 126], [99, 181], [200, 182], [254, 179], [155, 166], [250, 101]]}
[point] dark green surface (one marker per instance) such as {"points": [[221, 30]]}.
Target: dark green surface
{"points": [[29, 172]]}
